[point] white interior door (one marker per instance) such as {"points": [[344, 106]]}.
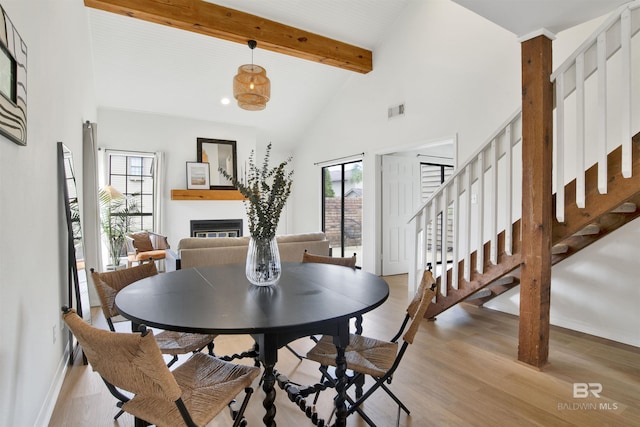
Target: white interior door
{"points": [[400, 193]]}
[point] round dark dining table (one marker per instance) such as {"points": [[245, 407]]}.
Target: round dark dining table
{"points": [[309, 299]]}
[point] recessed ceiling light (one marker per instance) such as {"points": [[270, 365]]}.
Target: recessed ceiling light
{"points": [[225, 101]]}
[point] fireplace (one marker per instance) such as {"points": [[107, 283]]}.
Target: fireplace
{"points": [[216, 228]]}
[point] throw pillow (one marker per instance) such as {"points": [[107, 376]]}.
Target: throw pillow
{"points": [[142, 241]]}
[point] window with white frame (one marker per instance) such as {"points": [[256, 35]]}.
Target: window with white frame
{"points": [[133, 174], [432, 175]]}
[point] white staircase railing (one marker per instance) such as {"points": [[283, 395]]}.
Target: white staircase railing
{"points": [[475, 202], [600, 70], [483, 197]]}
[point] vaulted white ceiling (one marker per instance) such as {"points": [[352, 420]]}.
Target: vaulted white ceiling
{"points": [[141, 66], [523, 17], [148, 67]]}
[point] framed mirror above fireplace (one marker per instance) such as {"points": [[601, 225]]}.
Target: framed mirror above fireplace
{"points": [[219, 154]]}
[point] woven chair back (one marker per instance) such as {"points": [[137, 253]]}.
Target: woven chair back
{"points": [[426, 282], [418, 306], [128, 361], [109, 283], [345, 261]]}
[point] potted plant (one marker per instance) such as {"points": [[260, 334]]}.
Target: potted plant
{"points": [[266, 191], [115, 221]]}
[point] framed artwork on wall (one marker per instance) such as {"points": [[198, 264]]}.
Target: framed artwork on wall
{"points": [[13, 82], [197, 176], [218, 153]]}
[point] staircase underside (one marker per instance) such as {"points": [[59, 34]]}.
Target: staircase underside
{"points": [[603, 214]]}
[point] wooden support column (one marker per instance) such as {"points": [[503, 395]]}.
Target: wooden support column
{"points": [[537, 149]]}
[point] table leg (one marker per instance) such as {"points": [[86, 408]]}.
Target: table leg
{"points": [[256, 352], [268, 383], [359, 379], [341, 374], [359, 386], [267, 345], [135, 327]]}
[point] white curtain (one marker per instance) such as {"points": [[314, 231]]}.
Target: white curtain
{"points": [[91, 220], [158, 182]]}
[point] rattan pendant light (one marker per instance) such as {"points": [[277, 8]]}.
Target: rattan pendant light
{"points": [[251, 87]]}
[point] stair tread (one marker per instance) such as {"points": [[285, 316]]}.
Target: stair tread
{"points": [[560, 248], [603, 214], [589, 230], [482, 293], [506, 280], [627, 207]]}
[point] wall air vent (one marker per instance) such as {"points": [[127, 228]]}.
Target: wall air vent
{"points": [[395, 111]]}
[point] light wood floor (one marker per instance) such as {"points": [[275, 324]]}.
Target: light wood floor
{"points": [[462, 371]]}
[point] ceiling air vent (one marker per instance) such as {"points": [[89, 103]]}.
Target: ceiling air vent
{"points": [[396, 111]]}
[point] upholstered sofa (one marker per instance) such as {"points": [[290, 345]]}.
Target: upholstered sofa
{"points": [[203, 251]]}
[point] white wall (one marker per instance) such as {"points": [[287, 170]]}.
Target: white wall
{"points": [[449, 86], [460, 75], [33, 263], [176, 137], [595, 291]]}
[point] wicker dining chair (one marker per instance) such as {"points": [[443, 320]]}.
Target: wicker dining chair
{"points": [[322, 259], [376, 358], [342, 261], [172, 343], [192, 394]]}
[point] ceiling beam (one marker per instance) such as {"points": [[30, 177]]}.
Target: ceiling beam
{"points": [[216, 21]]}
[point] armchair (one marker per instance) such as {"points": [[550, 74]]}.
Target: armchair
{"points": [[145, 245]]}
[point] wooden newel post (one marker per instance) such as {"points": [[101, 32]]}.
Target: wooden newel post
{"points": [[537, 159]]}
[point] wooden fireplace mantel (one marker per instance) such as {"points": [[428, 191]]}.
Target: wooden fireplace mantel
{"points": [[178, 194]]}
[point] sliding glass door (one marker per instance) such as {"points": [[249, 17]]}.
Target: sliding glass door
{"points": [[342, 208]]}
